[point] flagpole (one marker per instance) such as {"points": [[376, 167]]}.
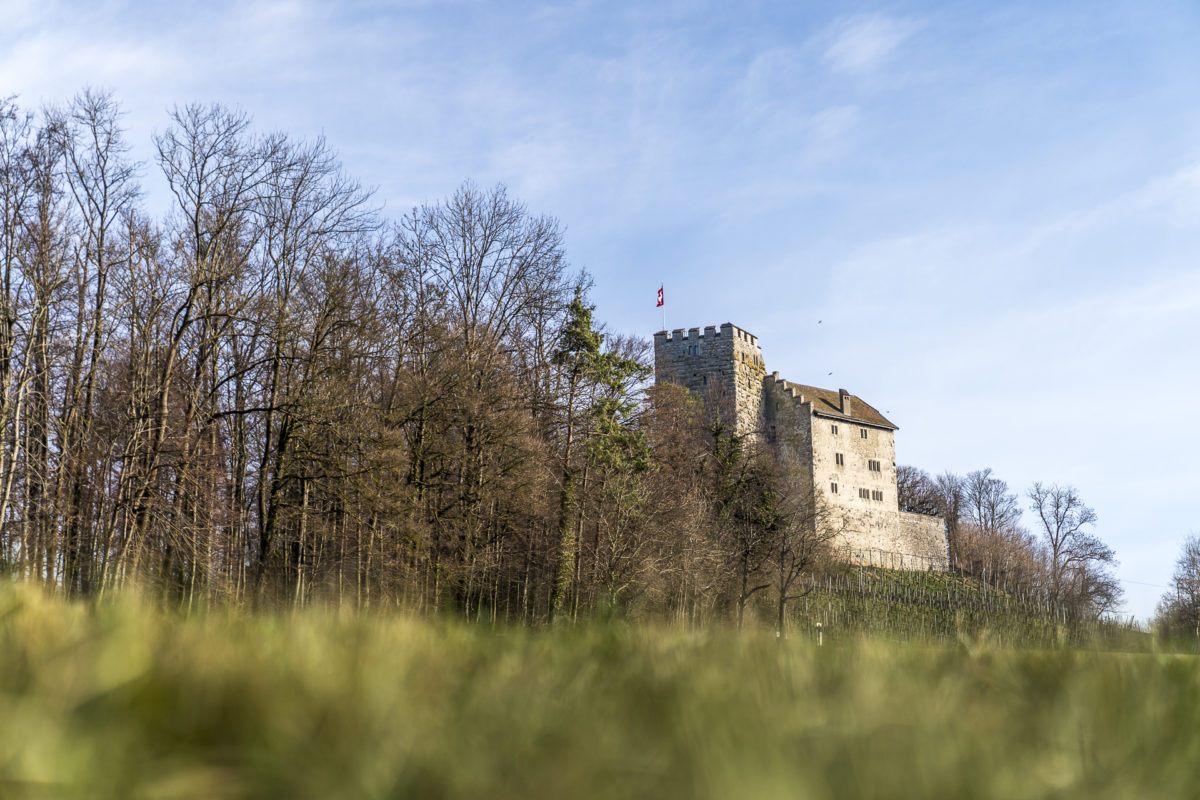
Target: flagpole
{"points": [[661, 287]]}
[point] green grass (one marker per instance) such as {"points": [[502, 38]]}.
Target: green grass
{"points": [[122, 701]]}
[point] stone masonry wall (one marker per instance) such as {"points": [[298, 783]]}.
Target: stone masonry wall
{"points": [[854, 475], [787, 419], [729, 357], [895, 539], [926, 537]]}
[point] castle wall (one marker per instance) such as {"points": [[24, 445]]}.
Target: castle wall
{"points": [[787, 420], [854, 475], [926, 536], [897, 540]]}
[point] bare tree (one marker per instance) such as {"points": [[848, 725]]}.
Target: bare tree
{"points": [[16, 198], [988, 502], [748, 504], [103, 184], [803, 542], [44, 249], [691, 563], [950, 508], [490, 266], [1079, 563], [1179, 609], [982, 524], [916, 492]]}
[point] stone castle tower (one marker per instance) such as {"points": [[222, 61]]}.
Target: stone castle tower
{"points": [[729, 357], [832, 440]]}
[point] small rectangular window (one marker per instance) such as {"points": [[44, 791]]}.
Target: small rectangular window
{"points": [[841, 461], [876, 495], [834, 429], [833, 488], [864, 494], [863, 433], [873, 465]]}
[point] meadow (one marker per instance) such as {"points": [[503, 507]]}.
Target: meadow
{"points": [[120, 700]]}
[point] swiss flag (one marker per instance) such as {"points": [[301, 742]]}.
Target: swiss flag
{"points": [[660, 298]]}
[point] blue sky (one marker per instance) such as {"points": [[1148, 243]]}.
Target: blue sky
{"points": [[993, 208]]}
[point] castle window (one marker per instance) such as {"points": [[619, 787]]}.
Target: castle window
{"points": [[876, 495], [873, 465], [705, 381], [834, 429], [864, 494], [839, 458], [833, 488], [862, 433]]}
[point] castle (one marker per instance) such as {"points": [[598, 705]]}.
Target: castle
{"points": [[832, 440]]}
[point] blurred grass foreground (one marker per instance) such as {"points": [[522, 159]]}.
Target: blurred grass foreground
{"points": [[118, 700]]}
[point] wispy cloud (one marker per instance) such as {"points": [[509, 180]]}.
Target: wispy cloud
{"points": [[863, 43]]}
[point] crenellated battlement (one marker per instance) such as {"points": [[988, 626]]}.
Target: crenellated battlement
{"points": [[710, 332], [776, 387]]}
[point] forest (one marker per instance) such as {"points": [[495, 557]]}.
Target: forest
{"points": [[273, 394]]}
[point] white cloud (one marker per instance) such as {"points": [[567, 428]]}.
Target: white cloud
{"points": [[832, 124], [59, 65], [861, 44], [772, 74]]}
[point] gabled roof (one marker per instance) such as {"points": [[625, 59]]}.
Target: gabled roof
{"points": [[828, 403]]}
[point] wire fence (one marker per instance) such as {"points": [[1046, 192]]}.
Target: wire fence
{"points": [[930, 606]]}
